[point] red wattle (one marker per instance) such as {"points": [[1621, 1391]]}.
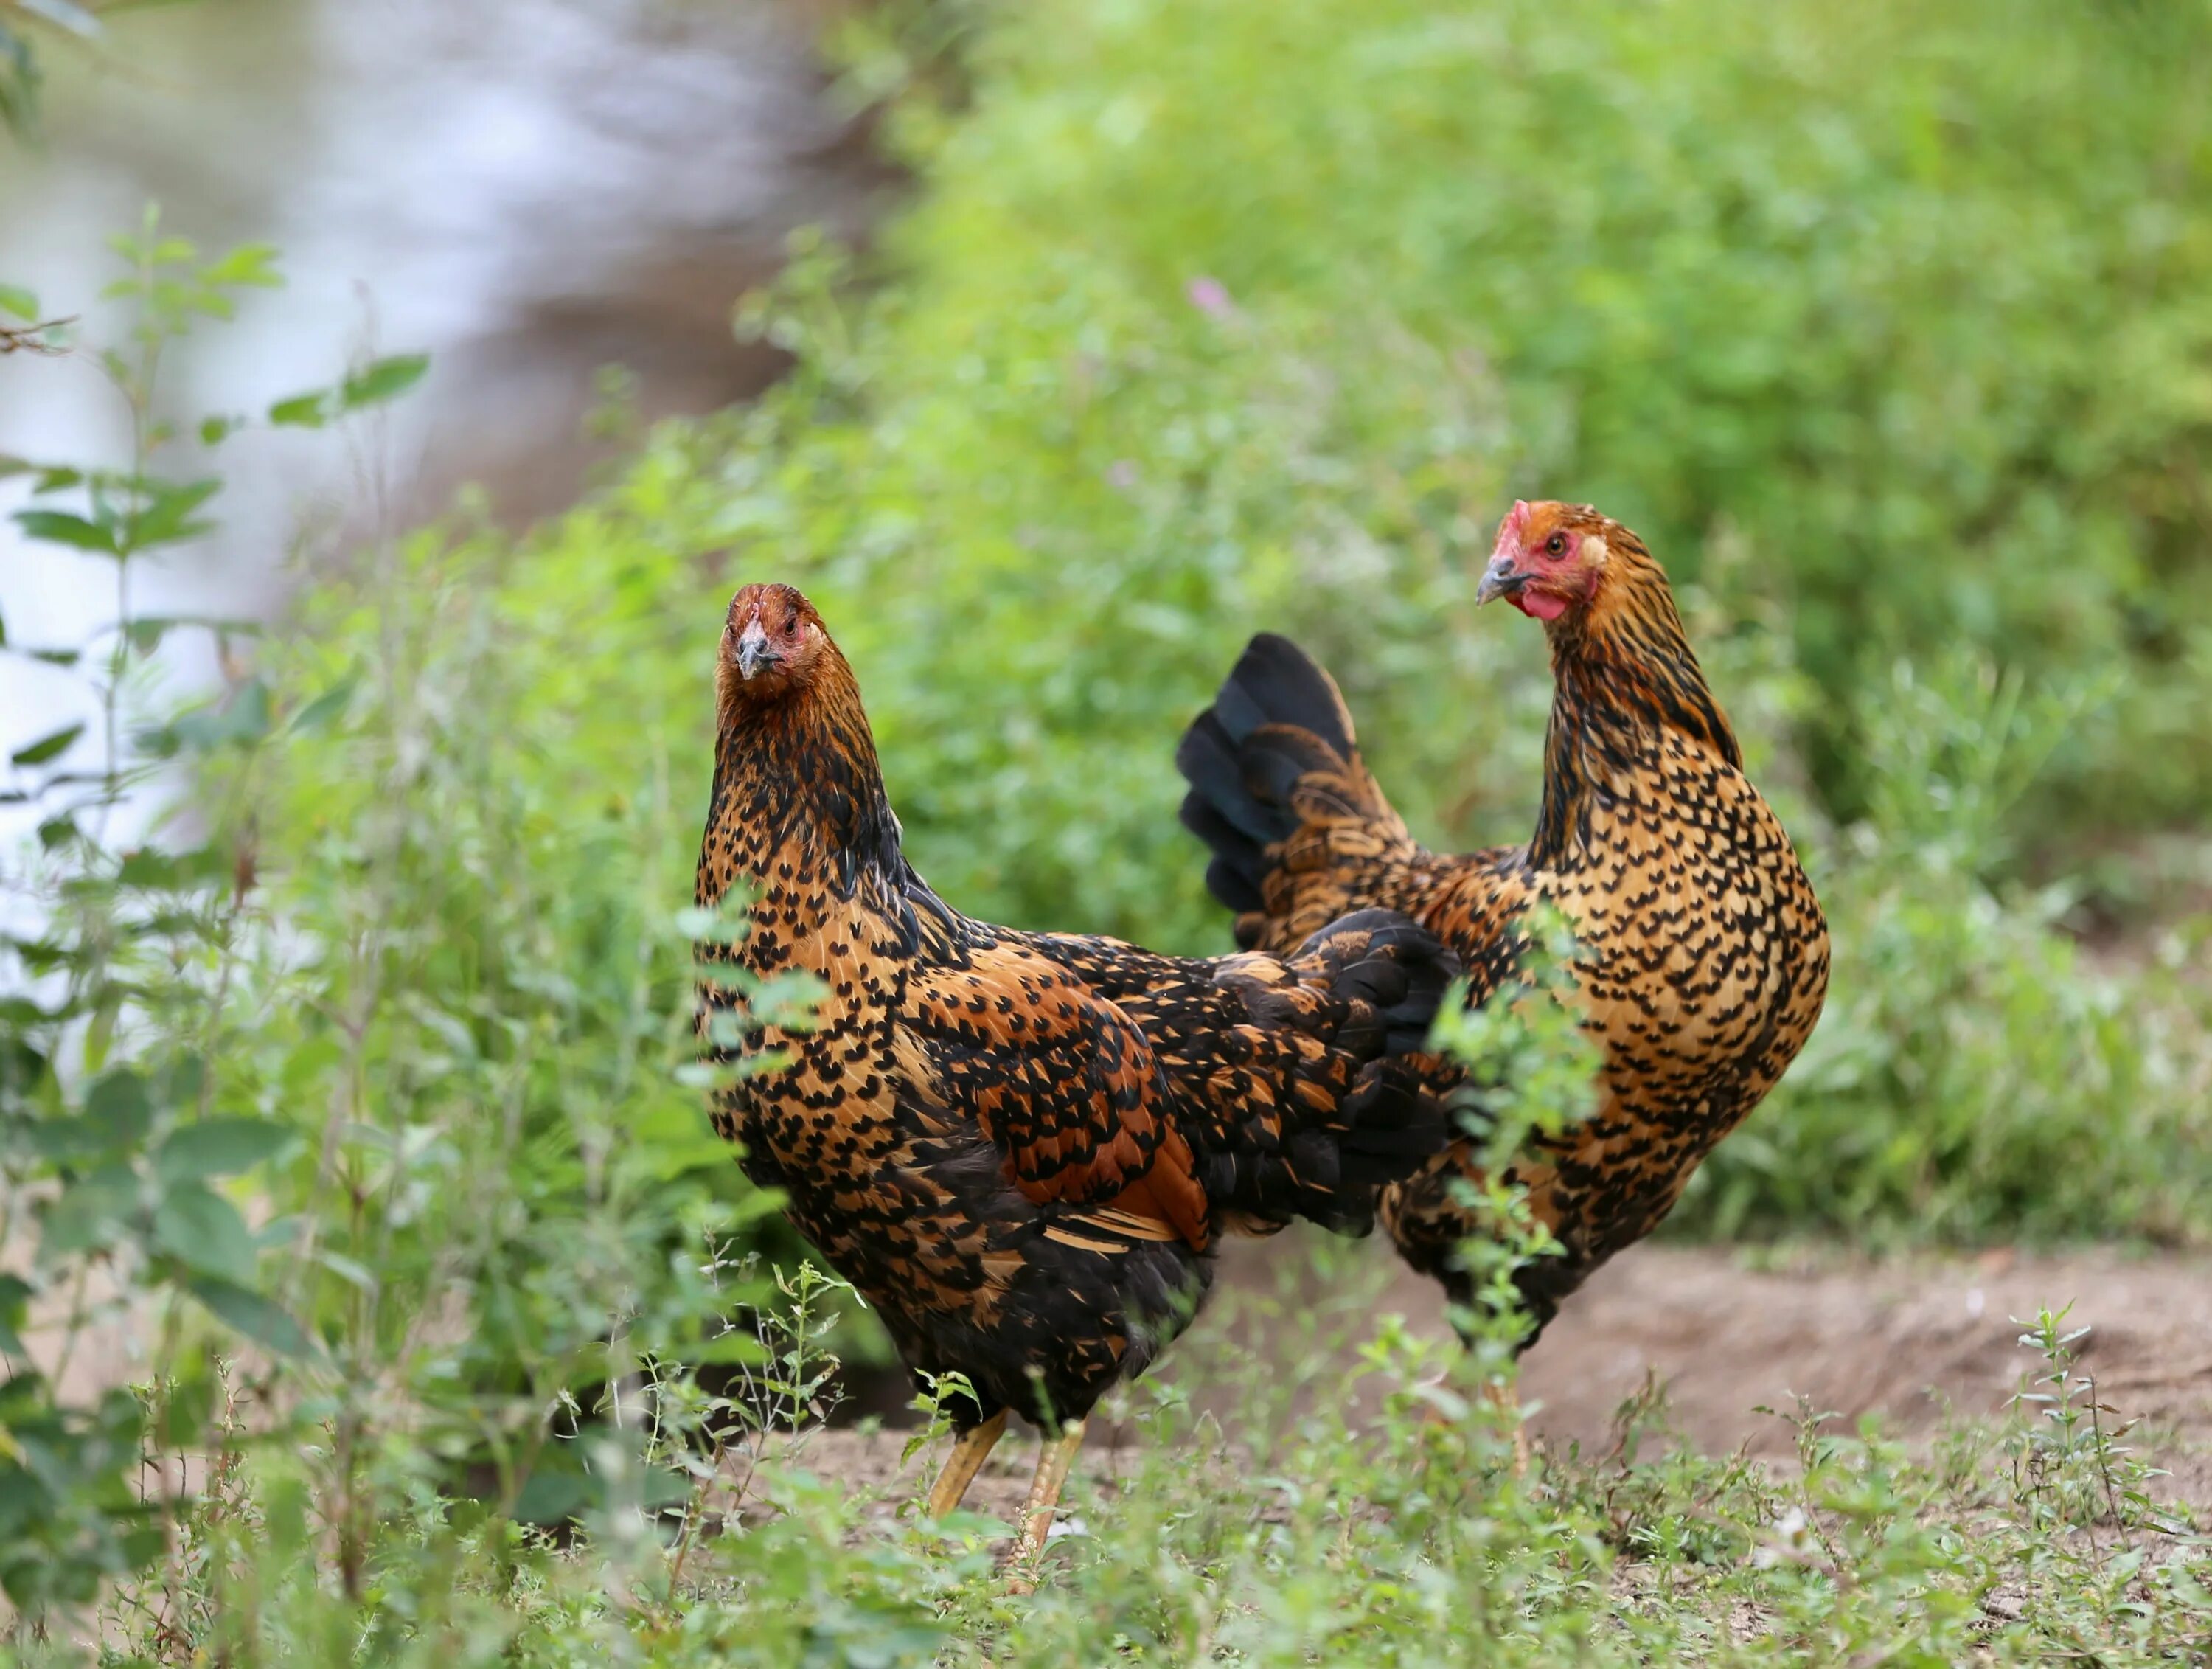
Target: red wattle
{"points": [[1540, 605]]}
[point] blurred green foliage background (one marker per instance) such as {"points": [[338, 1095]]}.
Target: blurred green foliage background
{"points": [[1908, 303]]}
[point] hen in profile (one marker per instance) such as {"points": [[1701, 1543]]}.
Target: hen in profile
{"points": [[1702, 957], [1022, 1147]]}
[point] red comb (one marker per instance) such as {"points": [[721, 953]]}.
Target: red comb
{"points": [[1510, 529]]}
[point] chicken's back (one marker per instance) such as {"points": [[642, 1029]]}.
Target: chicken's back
{"points": [[1277, 1068]]}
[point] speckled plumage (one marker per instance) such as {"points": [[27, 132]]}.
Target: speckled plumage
{"points": [[1703, 959], [1021, 1147]]}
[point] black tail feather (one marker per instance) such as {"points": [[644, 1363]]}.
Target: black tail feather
{"points": [[1234, 887], [1232, 847], [1277, 722], [1276, 682], [1208, 758]]}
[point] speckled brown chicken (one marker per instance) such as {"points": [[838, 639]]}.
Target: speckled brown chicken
{"points": [[1021, 1147], [1702, 957]]}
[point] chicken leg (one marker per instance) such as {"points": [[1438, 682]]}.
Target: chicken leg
{"points": [[969, 1451], [1053, 1463]]}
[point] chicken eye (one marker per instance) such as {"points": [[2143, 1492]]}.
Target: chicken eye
{"points": [[1556, 544]]}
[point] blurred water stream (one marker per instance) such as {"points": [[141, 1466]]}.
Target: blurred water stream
{"points": [[528, 190]]}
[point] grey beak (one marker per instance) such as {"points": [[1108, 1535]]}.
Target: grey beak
{"points": [[753, 652], [1500, 579]]}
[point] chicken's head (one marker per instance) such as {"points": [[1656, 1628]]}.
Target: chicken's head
{"points": [[773, 644], [1549, 560]]}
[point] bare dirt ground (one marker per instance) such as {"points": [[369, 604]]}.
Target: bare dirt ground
{"points": [[1901, 1339], [1905, 1339]]}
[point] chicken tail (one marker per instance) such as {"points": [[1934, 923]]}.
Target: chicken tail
{"points": [[1362, 1111], [1299, 829]]}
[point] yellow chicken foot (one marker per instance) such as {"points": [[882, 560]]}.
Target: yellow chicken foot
{"points": [[969, 1451], [1053, 1463]]}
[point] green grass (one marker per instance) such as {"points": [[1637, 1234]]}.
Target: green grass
{"points": [[1347, 1498]]}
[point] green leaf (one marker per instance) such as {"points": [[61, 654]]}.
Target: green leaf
{"points": [[157, 871], [664, 1162], [146, 631], [352, 1274], [118, 1104], [302, 410], [148, 866], [146, 635], [178, 1080], [549, 1496], [201, 1228], [241, 720], [259, 1319], [382, 381], [15, 1302], [90, 1211], [249, 263], [64, 1140], [157, 741], [23, 1014], [59, 527], [214, 430], [190, 1404], [47, 747], [142, 1544], [330, 706], [221, 1147], [249, 711], [168, 519], [20, 302], [726, 923]]}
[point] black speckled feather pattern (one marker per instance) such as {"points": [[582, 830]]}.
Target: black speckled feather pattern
{"points": [[1021, 1147], [1702, 955]]}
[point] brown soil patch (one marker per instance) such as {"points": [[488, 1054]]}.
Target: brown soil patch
{"points": [[1903, 1339]]}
